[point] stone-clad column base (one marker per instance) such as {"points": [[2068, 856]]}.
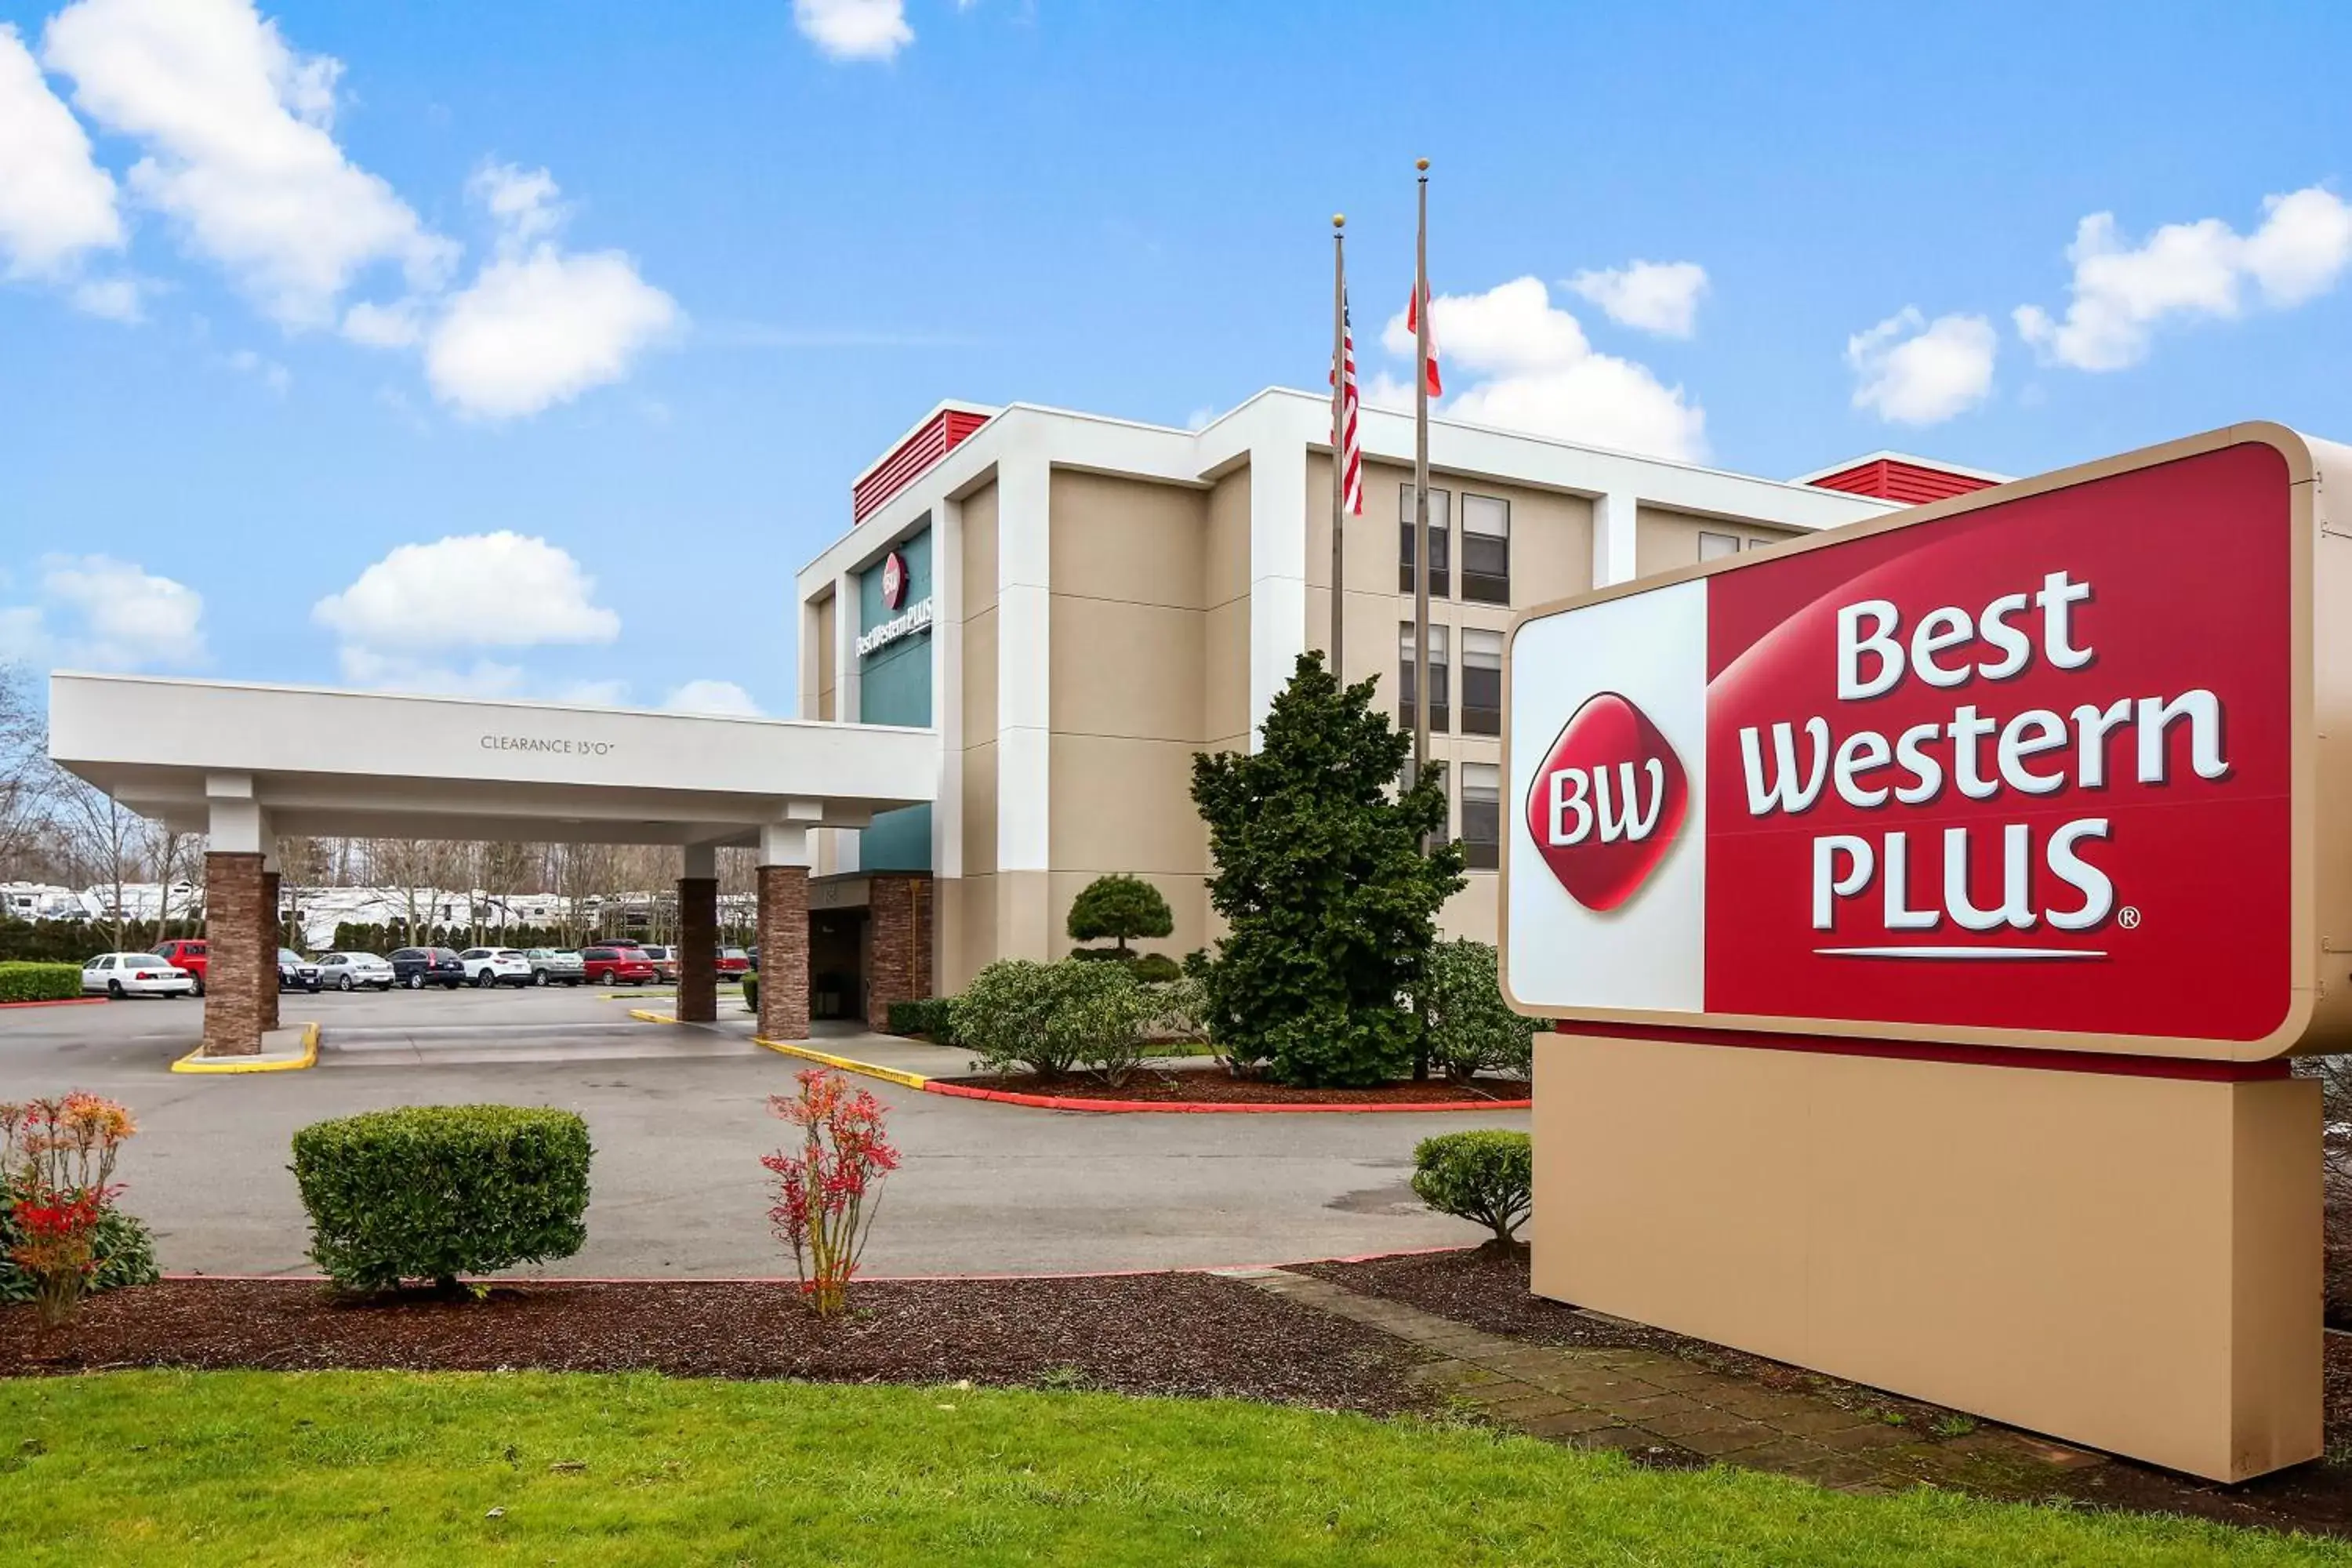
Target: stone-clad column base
{"points": [[698, 950], [898, 909], [2124, 1254], [235, 1004], [784, 953]]}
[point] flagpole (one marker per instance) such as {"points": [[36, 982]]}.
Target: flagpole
{"points": [[1421, 550], [1338, 438]]}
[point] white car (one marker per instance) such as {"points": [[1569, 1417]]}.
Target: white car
{"points": [[350, 971], [120, 975], [487, 966], [555, 966]]}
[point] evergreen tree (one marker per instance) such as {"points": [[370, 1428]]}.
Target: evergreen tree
{"points": [[1122, 908], [1331, 903]]}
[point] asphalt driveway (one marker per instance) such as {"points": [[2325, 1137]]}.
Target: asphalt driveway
{"points": [[680, 1118]]}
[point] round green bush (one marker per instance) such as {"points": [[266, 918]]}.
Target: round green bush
{"points": [[21, 982], [1471, 1029], [1486, 1176], [752, 992], [436, 1192], [1053, 1018], [1154, 969]]}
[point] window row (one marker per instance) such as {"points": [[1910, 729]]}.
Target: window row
{"points": [[1482, 679], [1486, 547]]}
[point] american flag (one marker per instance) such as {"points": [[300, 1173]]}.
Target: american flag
{"points": [[1351, 450]]}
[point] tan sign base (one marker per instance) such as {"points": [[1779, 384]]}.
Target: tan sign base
{"points": [[2128, 1262]]}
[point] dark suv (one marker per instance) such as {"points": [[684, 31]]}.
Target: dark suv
{"points": [[417, 967]]}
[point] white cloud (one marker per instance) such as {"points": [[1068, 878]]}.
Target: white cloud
{"points": [[593, 693], [269, 372], [115, 299], [1541, 375], [237, 130], [721, 696], [55, 202], [540, 325], [123, 616], [406, 672], [1656, 295], [393, 326], [480, 590], [855, 29], [2123, 292], [1911, 371]]}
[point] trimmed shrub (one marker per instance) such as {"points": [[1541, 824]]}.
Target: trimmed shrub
{"points": [[434, 1192], [1155, 969], [933, 1017], [1120, 908], [752, 992], [1471, 1029], [1488, 1177], [39, 982], [1053, 1018]]}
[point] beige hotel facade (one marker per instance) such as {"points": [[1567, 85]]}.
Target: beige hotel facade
{"points": [[1077, 604]]}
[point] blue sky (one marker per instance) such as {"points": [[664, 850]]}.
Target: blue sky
{"points": [[644, 287]]}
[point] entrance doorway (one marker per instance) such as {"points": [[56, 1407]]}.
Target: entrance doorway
{"points": [[837, 963]]}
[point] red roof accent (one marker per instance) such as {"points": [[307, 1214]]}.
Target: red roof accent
{"points": [[917, 452], [1891, 479]]}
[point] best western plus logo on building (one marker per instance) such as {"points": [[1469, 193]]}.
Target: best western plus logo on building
{"points": [[2034, 769]]}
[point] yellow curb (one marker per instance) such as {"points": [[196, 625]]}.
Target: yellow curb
{"points": [[648, 1016], [641, 995], [846, 1063], [196, 1061]]}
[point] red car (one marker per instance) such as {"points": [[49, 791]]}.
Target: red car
{"points": [[733, 963], [185, 953], [617, 966]]}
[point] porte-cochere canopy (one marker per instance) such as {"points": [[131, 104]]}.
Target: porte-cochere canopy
{"points": [[246, 763]]}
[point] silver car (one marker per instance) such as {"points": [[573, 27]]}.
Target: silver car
{"points": [[352, 970], [555, 966]]}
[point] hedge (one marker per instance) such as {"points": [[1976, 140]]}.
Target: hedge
{"points": [[930, 1016], [1488, 1177], [434, 1192], [39, 982]]}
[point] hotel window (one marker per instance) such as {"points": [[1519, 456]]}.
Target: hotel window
{"points": [[1441, 533], [1716, 546], [1440, 686], [1482, 681], [1485, 550], [1482, 815]]}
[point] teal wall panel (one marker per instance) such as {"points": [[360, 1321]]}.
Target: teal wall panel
{"points": [[893, 687]]}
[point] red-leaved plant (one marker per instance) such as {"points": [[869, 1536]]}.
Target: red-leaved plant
{"points": [[56, 1166], [824, 1187]]}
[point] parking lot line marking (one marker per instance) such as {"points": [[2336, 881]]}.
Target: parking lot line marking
{"points": [[846, 1063], [196, 1060]]}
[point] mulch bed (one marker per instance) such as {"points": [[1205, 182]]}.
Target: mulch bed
{"points": [[1214, 1086], [1489, 1291], [1182, 1334]]}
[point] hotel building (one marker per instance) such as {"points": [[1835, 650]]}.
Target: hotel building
{"points": [[1076, 605]]}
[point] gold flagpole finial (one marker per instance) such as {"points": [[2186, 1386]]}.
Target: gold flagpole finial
{"points": [[1338, 220], [1422, 164]]}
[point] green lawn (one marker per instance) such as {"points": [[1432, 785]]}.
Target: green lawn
{"points": [[348, 1468]]}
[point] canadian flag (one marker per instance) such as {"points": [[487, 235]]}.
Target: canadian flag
{"points": [[1412, 324]]}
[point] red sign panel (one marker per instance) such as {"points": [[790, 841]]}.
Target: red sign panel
{"points": [[2028, 768]]}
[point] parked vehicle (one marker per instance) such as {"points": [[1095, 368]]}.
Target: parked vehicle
{"points": [[488, 966], [608, 966], [417, 967], [185, 953], [555, 966], [295, 972], [350, 971], [664, 962], [733, 963], [120, 974]]}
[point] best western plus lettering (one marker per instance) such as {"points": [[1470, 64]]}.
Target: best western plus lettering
{"points": [[2081, 751]]}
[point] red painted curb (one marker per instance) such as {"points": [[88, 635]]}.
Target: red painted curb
{"points": [[1202, 1106], [60, 1002]]}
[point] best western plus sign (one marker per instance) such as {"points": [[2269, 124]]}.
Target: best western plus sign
{"points": [[2017, 769]]}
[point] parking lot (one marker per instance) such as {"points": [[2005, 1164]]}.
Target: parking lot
{"points": [[679, 1120]]}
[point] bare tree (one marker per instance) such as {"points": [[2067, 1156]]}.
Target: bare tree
{"points": [[103, 838], [26, 777]]}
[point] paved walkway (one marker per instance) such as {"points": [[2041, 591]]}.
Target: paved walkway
{"points": [[1664, 1409]]}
